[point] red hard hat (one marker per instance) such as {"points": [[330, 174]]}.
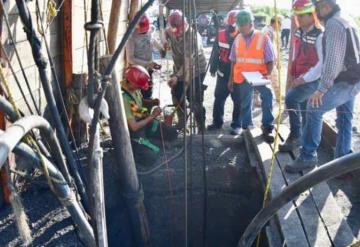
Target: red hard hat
{"points": [[143, 25], [231, 17], [301, 7], [177, 23], [138, 76]]}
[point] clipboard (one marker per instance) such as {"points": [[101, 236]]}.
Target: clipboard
{"points": [[255, 78]]}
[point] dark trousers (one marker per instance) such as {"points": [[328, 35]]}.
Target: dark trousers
{"points": [[198, 97], [285, 35], [221, 94]]}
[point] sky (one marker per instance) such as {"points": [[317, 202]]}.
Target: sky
{"points": [[350, 6]]}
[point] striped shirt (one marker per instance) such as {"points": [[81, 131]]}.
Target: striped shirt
{"points": [[335, 50], [269, 50]]}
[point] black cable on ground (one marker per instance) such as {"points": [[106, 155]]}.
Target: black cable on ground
{"points": [[327, 171]]}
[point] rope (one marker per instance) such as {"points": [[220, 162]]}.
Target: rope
{"points": [[278, 122]]}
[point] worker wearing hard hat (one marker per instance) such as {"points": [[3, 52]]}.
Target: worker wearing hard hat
{"points": [[189, 69], [251, 51], [139, 50], [339, 84], [305, 70], [221, 66], [143, 125]]}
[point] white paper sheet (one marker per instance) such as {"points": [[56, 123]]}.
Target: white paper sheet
{"points": [[255, 78]]}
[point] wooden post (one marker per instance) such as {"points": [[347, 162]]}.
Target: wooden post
{"points": [[114, 24], [67, 43], [134, 7]]}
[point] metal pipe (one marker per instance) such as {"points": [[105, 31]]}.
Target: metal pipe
{"points": [[62, 191], [328, 171], [6, 107], [21, 127], [41, 64]]}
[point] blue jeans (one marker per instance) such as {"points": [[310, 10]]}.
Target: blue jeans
{"points": [[296, 102], [242, 97], [340, 96], [266, 97]]}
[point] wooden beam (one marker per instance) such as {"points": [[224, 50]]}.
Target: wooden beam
{"points": [[67, 43], [134, 7], [113, 24]]}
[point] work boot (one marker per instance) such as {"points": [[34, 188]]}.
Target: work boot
{"points": [[299, 165], [268, 135], [290, 144], [213, 127], [235, 131]]}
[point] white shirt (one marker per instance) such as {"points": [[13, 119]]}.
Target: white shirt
{"points": [[286, 23]]}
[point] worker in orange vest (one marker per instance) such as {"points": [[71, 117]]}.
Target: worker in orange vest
{"points": [[221, 66], [251, 51]]}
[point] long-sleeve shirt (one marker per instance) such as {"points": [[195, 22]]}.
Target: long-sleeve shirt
{"points": [[335, 50], [139, 49], [314, 73], [183, 70], [269, 55]]}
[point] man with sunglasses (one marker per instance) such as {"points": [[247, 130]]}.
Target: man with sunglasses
{"points": [[339, 84], [305, 69]]}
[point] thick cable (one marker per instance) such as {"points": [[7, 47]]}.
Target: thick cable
{"points": [[58, 88], [205, 201], [185, 137], [109, 69], [40, 62], [6, 18], [326, 172]]}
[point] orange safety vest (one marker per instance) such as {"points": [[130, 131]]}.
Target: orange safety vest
{"points": [[250, 58]]}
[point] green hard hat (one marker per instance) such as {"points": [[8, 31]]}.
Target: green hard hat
{"points": [[244, 17]]}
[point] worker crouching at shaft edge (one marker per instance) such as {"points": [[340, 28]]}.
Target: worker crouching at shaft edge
{"points": [[143, 126]]}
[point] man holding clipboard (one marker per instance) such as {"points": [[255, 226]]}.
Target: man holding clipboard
{"points": [[252, 57]]}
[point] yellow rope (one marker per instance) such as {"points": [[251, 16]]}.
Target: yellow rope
{"points": [[27, 139], [278, 122]]}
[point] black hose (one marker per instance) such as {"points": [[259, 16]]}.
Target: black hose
{"points": [[6, 18], [41, 64], [58, 88], [108, 71], [327, 171]]}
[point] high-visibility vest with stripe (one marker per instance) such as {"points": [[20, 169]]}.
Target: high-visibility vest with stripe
{"points": [[224, 46], [251, 58]]}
